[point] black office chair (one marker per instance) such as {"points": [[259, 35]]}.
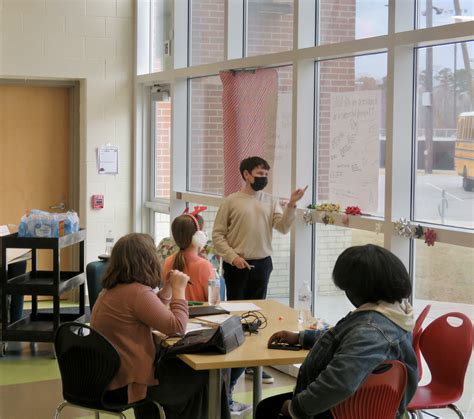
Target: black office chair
{"points": [[88, 362]]}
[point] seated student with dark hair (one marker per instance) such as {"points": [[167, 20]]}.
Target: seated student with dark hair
{"points": [[377, 284]]}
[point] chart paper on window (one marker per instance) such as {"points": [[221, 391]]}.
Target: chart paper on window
{"points": [[354, 149]]}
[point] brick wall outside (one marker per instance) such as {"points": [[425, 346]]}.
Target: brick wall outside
{"points": [[207, 31], [162, 149], [270, 27]]}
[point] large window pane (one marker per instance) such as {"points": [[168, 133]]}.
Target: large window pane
{"points": [[269, 26], [161, 35], [162, 226], [206, 31], [444, 12], [332, 303], [346, 20], [444, 169], [350, 119], [162, 130], [206, 165]]}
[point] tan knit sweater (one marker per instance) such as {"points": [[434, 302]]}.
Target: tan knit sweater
{"points": [[126, 315], [244, 223]]}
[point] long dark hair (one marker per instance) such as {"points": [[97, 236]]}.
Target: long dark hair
{"points": [[133, 259]]}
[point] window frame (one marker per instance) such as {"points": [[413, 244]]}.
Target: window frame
{"points": [[399, 44]]}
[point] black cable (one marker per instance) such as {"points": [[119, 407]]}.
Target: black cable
{"points": [[252, 321]]}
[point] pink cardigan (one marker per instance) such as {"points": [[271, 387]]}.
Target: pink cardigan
{"points": [[126, 315]]}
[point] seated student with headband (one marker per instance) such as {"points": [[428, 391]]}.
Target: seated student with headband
{"points": [[167, 246], [190, 239], [379, 329]]}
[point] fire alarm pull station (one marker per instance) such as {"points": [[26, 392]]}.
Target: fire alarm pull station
{"points": [[97, 201]]}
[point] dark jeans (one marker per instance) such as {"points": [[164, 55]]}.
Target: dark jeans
{"points": [[247, 284], [16, 302], [270, 408]]}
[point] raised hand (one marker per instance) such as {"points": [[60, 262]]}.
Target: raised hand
{"points": [[297, 195]]}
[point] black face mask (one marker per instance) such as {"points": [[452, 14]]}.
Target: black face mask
{"points": [[259, 182]]}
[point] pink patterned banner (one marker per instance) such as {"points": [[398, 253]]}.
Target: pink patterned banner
{"points": [[249, 102]]}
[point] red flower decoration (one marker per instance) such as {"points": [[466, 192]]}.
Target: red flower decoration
{"points": [[430, 237], [352, 211]]}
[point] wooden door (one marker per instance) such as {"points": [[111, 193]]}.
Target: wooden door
{"points": [[35, 133]]}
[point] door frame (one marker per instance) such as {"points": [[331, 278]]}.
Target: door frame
{"points": [[74, 198]]}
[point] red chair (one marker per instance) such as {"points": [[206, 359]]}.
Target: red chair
{"points": [[417, 331], [447, 350], [378, 397]]}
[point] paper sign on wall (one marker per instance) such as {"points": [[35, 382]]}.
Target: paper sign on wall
{"points": [[354, 149], [107, 160]]}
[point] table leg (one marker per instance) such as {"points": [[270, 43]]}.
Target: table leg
{"points": [[214, 394], [257, 388]]}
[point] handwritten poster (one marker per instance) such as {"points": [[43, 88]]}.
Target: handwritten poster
{"points": [[354, 149]]}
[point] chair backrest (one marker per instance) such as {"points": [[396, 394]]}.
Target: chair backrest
{"points": [[378, 397], [87, 362], [417, 330], [447, 349], [94, 272]]}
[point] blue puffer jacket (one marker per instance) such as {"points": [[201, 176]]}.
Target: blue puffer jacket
{"points": [[342, 357]]}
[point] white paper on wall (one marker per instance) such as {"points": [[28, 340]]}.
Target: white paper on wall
{"points": [[354, 149], [107, 160]]}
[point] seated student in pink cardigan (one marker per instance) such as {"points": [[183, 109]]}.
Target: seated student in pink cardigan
{"points": [[189, 239], [127, 310]]}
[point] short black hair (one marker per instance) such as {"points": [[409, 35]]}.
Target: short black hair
{"points": [[371, 273], [251, 163]]}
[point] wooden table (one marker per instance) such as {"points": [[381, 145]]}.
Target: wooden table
{"points": [[252, 353]]}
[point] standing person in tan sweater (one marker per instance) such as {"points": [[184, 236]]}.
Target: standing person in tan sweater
{"points": [[243, 231], [127, 311]]}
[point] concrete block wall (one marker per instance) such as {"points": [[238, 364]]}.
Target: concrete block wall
{"points": [[91, 41]]}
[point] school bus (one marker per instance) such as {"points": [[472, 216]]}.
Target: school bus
{"points": [[464, 150]]}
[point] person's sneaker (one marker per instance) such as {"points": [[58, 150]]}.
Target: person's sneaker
{"points": [[266, 378], [237, 408]]}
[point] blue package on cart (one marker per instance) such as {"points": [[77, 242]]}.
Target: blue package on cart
{"points": [[39, 223]]}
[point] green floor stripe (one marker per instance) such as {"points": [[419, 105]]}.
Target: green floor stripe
{"points": [[20, 371], [49, 304]]}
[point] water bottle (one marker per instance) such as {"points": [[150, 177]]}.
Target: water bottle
{"points": [[214, 291], [304, 306], [109, 243]]}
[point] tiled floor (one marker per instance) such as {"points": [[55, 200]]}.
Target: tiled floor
{"points": [[30, 386]]}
